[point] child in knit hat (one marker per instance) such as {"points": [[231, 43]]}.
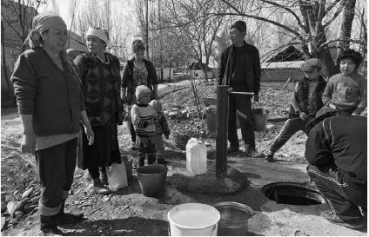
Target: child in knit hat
{"points": [[143, 119], [348, 79], [162, 128]]}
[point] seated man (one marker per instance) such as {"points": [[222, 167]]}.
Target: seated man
{"points": [[336, 150]]}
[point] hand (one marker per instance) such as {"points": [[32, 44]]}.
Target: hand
{"points": [[355, 113], [230, 89], [90, 135], [303, 115], [333, 106], [28, 144], [256, 97]]}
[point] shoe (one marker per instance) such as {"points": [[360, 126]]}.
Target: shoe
{"points": [[48, 226], [233, 149], [104, 178], [51, 231], [254, 154], [270, 157], [99, 188], [355, 224], [161, 161], [68, 218]]}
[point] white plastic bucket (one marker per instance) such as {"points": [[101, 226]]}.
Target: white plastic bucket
{"points": [[193, 219]]}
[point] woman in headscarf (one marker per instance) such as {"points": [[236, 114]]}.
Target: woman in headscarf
{"points": [[100, 74], [138, 71], [51, 107]]}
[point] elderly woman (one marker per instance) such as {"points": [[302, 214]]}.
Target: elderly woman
{"points": [[51, 107], [100, 76], [138, 71]]}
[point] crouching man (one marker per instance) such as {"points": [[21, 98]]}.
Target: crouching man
{"points": [[336, 150]]}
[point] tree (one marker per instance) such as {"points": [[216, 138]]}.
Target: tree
{"points": [[310, 22]]}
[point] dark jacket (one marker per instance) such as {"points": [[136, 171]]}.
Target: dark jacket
{"points": [[101, 89], [227, 66], [340, 143], [130, 84], [52, 96]]}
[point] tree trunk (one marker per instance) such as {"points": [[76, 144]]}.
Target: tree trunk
{"points": [[346, 26], [3, 59]]}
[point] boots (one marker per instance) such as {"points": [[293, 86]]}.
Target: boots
{"points": [[49, 227], [68, 218], [99, 188], [270, 157], [104, 177]]}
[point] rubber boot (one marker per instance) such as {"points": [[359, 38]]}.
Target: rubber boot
{"points": [[68, 218], [48, 226], [99, 188]]}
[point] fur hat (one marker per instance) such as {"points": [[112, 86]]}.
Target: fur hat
{"points": [[141, 90], [346, 95], [156, 105]]}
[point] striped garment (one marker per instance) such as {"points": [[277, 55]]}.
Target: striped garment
{"points": [[143, 119]]}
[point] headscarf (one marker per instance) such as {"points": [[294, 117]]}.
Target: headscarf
{"points": [[138, 45], [99, 33], [40, 24]]}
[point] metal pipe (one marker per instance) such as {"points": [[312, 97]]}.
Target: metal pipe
{"points": [[222, 131]]}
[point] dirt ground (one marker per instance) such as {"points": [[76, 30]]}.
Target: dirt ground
{"points": [[128, 212]]}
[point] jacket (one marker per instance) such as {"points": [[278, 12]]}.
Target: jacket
{"points": [[101, 89], [142, 115], [52, 96], [130, 84], [227, 67]]}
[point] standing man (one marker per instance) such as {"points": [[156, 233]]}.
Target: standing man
{"points": [[240, 69]]}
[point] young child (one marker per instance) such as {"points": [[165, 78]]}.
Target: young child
{"points": [[162, 128], [143, 119], [348, 79], [305, 103]]}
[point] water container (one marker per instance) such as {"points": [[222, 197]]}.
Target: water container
{"points": [[196, 157], [211, 119], [117, 176]]}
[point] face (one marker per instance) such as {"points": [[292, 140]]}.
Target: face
{"points": [[95, 45], [312, 74], [55, 38], [347, 66], [139, 55], [145, 99], [236, 36]]}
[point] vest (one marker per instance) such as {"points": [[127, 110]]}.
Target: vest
{"points": [[101, 88]]}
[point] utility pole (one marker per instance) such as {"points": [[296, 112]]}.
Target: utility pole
{"points": [[147, 30]]}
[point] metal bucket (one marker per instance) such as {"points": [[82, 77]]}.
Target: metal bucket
{"points": [[260, 118], [234, 218], [127, 159], [152, 179]]}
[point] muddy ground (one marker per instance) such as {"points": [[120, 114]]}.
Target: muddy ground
{"points": [[128, 212]]}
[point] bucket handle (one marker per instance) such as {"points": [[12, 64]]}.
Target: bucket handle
{"points": [[170, 233]]}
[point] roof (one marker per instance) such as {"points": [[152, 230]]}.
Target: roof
{"points": [[287, 53], [282, 65]]}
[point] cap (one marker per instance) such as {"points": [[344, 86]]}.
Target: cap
{"points": [[240, 25], [311, 63]]}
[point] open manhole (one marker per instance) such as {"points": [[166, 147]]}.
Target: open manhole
{"points": [[292, 194]]}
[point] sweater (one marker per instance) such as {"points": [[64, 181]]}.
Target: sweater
{"points": [[143, 120], [354, 79], [227, 69], [52, 96]]}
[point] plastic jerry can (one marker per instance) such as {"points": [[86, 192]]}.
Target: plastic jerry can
{"points": [[117, 176], [196, 162]]}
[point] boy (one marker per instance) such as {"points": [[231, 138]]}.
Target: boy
{"points": [[349, 63], [162, 128], [305, 102], [143, 119]]}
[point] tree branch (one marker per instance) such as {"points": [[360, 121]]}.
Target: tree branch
{"points": [[336, 14]]}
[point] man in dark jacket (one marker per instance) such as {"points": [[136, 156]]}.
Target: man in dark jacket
{"points": [[336, 150], [240, 69]]}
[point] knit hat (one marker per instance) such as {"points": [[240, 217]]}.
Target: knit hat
{"points": [[138, 45], [240, 25], [346, 95], [99, 33], [156, 105], [311, 63], [141, 90], [41, 23]]}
